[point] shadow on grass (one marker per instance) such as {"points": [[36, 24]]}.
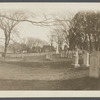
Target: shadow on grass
{"points": [[85, 83]]}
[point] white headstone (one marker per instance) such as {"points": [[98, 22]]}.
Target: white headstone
{"points": [[70, 54], [57, 50], [76, 60], [22, 56], [49, 56], [94, 65], [66, 53], [86, 59], [63, 46], [62, 53]]}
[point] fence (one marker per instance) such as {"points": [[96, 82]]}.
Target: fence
{"points": [[18, 55]]}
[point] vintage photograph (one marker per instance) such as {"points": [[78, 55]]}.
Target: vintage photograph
{"points": [[49, 46]]}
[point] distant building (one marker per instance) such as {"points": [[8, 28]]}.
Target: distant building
{"points": [[37, 49], [48, 48]]}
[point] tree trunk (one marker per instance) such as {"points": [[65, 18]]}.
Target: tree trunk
{"points": [[6, 45], [95, 44], [5, 50], [98, 43], [90, 43]]}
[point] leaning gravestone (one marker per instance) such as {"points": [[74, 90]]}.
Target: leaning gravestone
{"points": [[94, 65]]}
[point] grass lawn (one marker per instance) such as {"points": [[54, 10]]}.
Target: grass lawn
{"points": [[47, 75]]}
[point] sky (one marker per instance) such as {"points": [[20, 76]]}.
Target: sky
{"points": [[41, 9]]}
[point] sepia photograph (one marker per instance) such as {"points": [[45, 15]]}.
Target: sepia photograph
{"points": [[49, 46]]}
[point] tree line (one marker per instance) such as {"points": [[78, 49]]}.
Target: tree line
{"points": [[81, 30], [31, 45], [9, 19]]}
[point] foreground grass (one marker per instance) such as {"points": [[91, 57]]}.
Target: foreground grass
{"points": [[73, 84], [48, 75]]}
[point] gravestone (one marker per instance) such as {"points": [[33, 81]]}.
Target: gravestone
{"points": [[57, 49], [94, 65], [22, 56], [70, 54], [49, 56], [86, 59], [62, 53], [66, 52], [76, 59]]}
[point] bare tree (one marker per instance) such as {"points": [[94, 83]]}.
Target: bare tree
{"points": [[60, 31], [30, 43], [8, 25], [9, 20], [15, 47]]}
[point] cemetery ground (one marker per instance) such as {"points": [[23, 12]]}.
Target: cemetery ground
{"points": [[57, 74]]}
